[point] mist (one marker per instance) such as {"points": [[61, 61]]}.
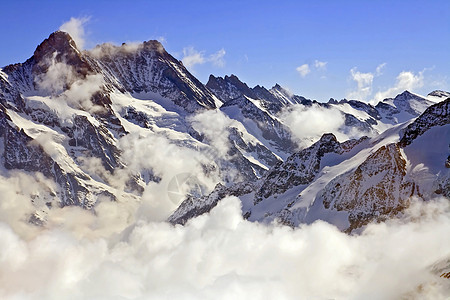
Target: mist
{"points": [[308, 124]]}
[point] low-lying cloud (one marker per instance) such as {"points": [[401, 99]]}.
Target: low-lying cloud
{"points": [[308, 124], [61, 83], [221, 256]]}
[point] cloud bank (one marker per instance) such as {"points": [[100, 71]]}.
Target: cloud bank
{"points": [[221, 256]]}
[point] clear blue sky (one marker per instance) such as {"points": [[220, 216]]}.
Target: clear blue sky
{"points": [[265, 41]]}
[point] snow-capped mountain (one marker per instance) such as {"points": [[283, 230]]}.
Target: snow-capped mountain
{"points": [[99, 124], [348, 184]]}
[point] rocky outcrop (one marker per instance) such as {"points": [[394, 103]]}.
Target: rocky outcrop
{"points": [[148, 68], [435, 115], [376, 189], [299, 169]]}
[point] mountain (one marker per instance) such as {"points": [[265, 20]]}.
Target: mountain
{"points": [[403, 107], [119, 122], [347, 184]]}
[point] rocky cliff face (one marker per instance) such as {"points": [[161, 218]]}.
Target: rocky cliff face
{"points": [[148, 68], [377, 188]]}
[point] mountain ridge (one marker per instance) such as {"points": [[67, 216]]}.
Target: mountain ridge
{"points": [[73, 115]]}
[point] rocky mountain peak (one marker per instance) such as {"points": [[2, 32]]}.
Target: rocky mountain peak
{"points": [[439, 94], [58, 41], [228, 87], [328, 138], [406, 95], [59, 47], [154, 45]]}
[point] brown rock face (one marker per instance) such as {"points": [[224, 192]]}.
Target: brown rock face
{"points": [[60, 47], [376, 189]]}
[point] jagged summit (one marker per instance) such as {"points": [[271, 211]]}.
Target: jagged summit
{"points": [[229, 87], [128, 48], [439, 93], [59, 47], [58, 41], [274, 99]]}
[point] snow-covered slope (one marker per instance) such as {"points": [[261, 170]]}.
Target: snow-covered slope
{"points": [[402, 108], [348, 184]]}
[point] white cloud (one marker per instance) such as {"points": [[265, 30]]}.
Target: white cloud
{"points": [[364, 85], [75, 27], [62, 84], [162, 39], [320, 64], [58, 77], [214, 125], [379, 69], [217, 58], [221, 256], [405, 81], [192, 57], [303, 70], [308, 124]]}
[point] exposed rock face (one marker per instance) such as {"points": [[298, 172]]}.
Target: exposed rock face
{"points": [[148, 68], [229, 88], [242, 109], [97, 141], [59, 47], [273, 100], [436, 115], [439, 95], [191, 207], [375, 189], [21, 152], [300, 168]]}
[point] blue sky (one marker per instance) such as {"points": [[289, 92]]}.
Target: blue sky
{"points": [[318, 49]]}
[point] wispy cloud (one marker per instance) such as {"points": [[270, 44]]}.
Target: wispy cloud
{"points": [[217, 59], [303, 70], [320, 64], [405, 81], [364, 82], [364, 85], [192, 57], [379, 69], [75, 27]]}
